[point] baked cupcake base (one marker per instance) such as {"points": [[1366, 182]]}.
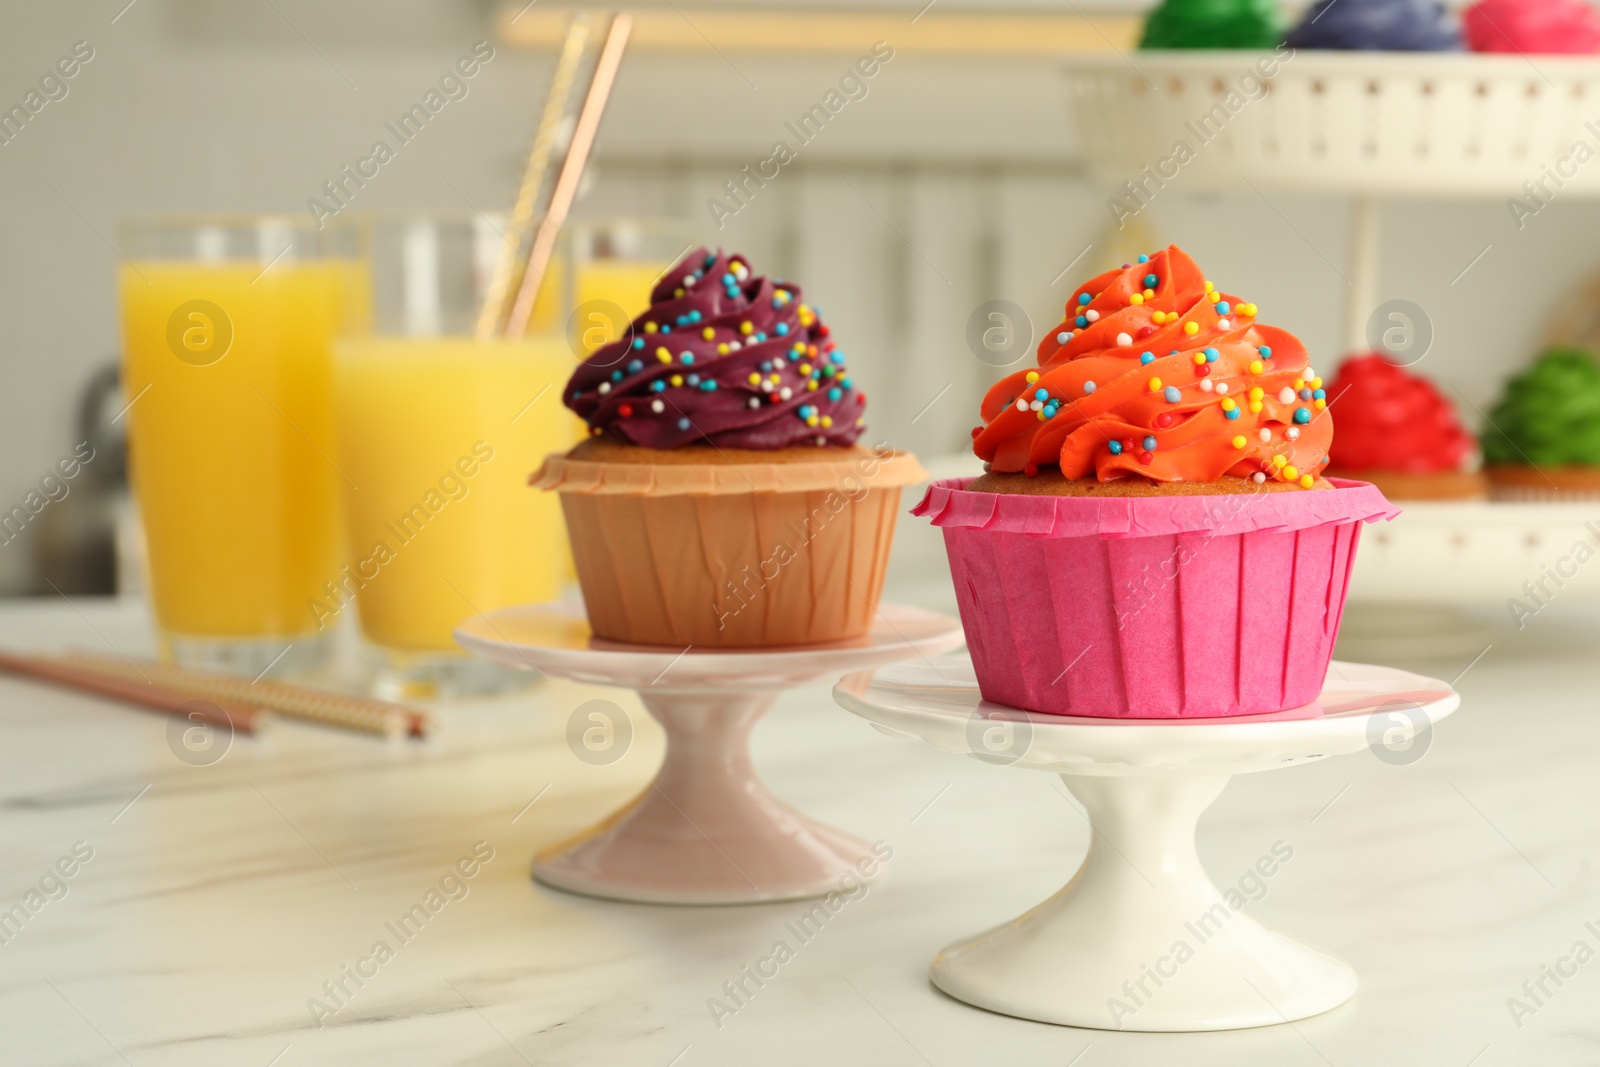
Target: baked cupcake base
{"points": [[1514, 482], [726, 548], [1052, 483], [1441, 486]]}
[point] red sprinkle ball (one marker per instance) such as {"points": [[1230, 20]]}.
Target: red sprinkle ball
{"points": [[1203, 370], [1031, 470], [976, 430], [1164, 421], [1145, 457], [626, 411]]}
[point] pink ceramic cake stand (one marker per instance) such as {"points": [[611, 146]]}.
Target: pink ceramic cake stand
{"points": [[1104, 951], [706, 830]]}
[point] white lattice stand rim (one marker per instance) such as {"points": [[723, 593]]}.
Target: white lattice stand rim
{"points": [[1140, 938]]}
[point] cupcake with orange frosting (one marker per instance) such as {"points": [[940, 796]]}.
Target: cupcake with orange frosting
{"points": [[724, 497], [1397, 431], [1157, 382], [1154, 536]]}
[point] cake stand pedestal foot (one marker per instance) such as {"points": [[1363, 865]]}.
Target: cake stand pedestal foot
{"points": [[706, 830], [1140, 939]]}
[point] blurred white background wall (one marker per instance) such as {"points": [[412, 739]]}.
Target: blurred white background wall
{"points": [[955, 181]]}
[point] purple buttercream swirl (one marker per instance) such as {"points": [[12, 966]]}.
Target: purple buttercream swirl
{"points": [[720, 356], [1378, 26]]}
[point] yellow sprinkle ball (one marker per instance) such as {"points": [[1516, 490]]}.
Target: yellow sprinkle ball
{"points": [[1255, 407], [1210, 287], [1290, 474], [1191, 328], [1228, 404], [1033, 375], [1257, 393], [1316, 383], [677, 379], [812, 421], [827, 421], [1199, 359], [663, 355], [1149, 294], [1238, 442], [1135, 299], [1256, 366], [746, 328], [1299, 383], [1278, 461], [1214, 297], [677, 292], [651, 327], [811, 386], [805, 368], [1319, 404], [708, 333], [1155, 385], [755, 379], [723, 349], [1307, 481]]}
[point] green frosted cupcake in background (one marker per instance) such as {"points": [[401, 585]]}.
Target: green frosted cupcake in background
{"points": [[1543, 437], [1213, 24]]}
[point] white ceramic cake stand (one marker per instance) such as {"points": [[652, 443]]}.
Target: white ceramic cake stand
{"points": [[706, 830], [1103, 952]]}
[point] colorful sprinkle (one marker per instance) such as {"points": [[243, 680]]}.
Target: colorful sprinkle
{"points": [[1155, 385], [1146, 358], [1172, 394], [1191, 328], [1149, 444], [1089, 387], [1239, 442], [1302, 416], [1116, 448], [1124, 340], [1257, 367]]}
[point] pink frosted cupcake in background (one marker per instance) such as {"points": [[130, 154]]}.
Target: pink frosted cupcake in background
{"points": [[1533, 27], [1154, 537]]}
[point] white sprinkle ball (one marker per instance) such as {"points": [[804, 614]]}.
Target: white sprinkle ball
{"points": [[1286, 396], [1206, 386], [605, 387], [657, 406], [1258, 477], [1022, 405], [1092, 315], [1222, 388], [1292, 433], [1124, 340], [1266, 434]]}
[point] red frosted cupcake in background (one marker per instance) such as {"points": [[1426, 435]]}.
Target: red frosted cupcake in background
{"points": [[1154, 538], [1397, 431], [1533, 27]]}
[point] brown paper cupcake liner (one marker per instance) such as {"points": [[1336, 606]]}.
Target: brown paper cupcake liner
{"points": [[682, 556]]}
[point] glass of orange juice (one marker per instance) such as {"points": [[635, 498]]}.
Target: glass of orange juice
{"points": [[439, 432], [615, 263], [227, 324]]}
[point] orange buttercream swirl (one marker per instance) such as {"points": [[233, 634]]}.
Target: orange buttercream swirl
{"points": [[1155, 373]]}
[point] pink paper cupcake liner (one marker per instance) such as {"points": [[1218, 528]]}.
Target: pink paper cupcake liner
{"points": [[1152, 607]]}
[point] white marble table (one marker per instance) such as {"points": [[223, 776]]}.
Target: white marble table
{"points": [[220, 899]]}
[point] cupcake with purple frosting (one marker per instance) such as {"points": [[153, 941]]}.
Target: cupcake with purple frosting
{"points": [[724, 497], [1377, 26]]}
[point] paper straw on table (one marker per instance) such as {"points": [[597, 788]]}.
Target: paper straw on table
{"points": [[219, 711], [291, 701], [506, 278], [566, 188]]}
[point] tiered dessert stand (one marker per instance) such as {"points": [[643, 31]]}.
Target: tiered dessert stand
{"points": [[1367, 125], [706, 830], [1103, 952]]}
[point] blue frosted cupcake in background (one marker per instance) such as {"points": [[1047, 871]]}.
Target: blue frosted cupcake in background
{"points": [[1377, 26]]}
